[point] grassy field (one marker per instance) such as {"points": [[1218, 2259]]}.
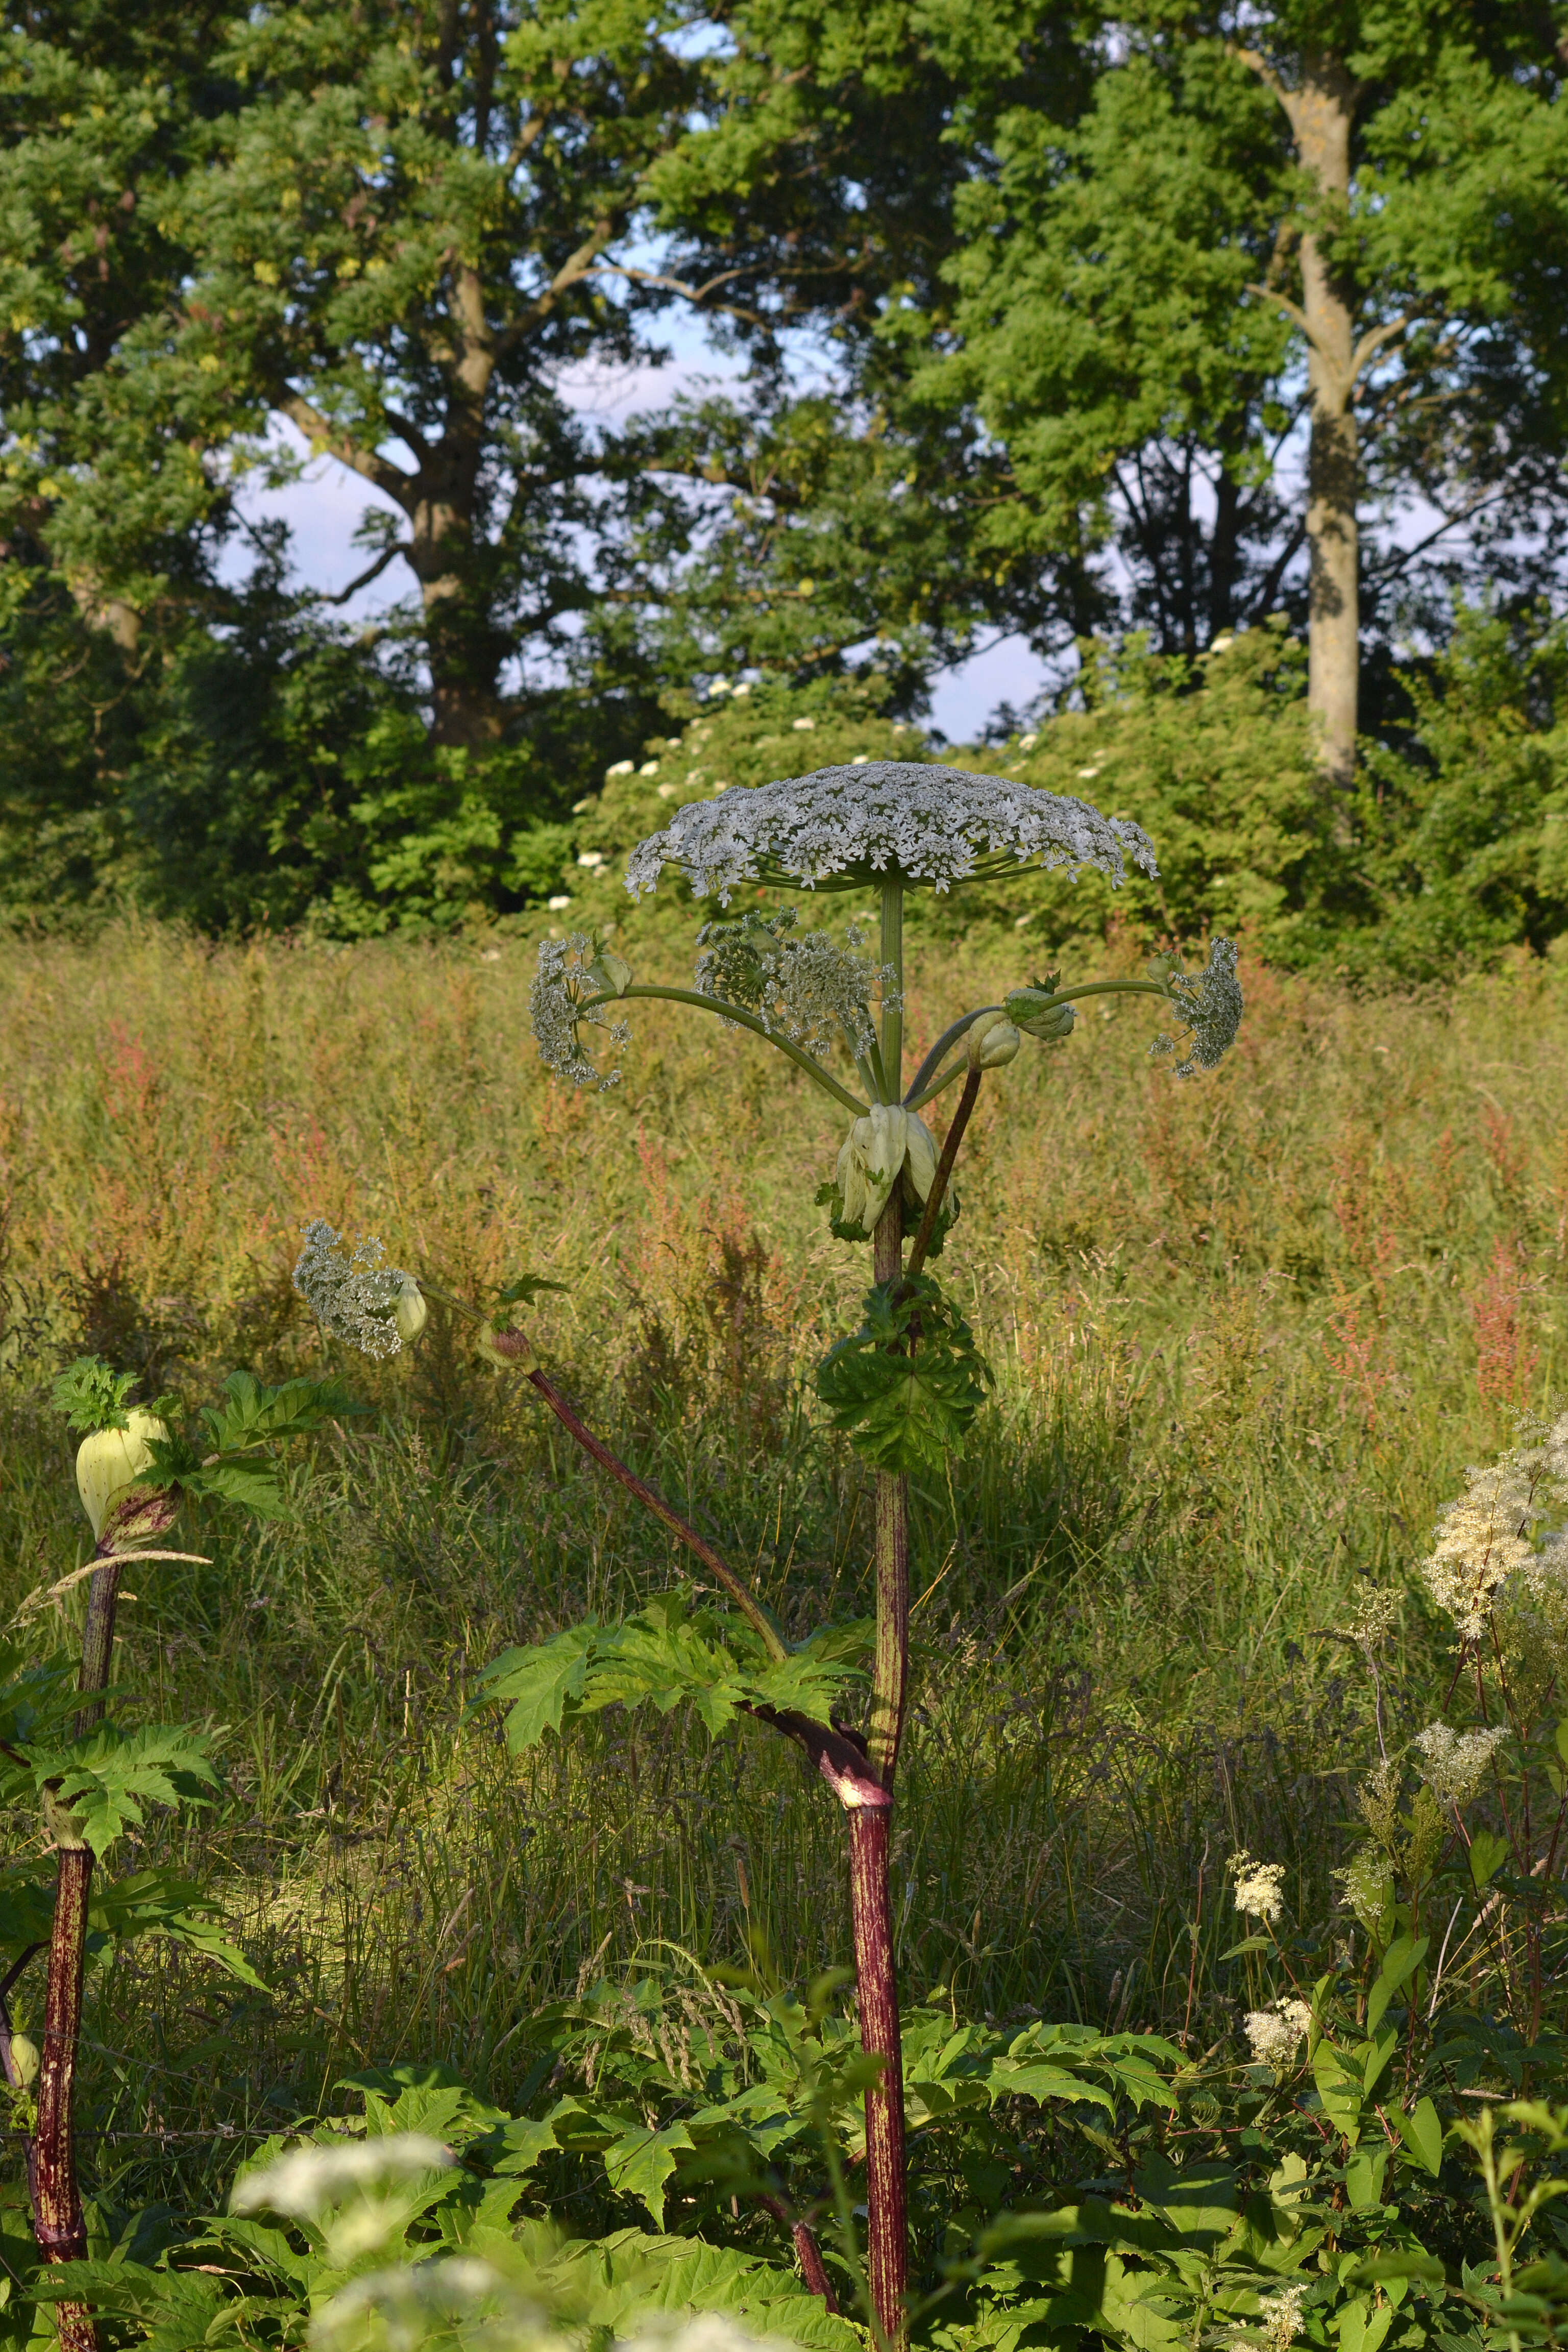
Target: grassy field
{"points": [[1246, 1331]]}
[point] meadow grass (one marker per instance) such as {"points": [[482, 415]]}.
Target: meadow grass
{"points": [[1246, 1331]]}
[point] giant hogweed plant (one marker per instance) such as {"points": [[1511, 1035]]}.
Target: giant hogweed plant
{"points": [[905, 1386], [67, 1754]]}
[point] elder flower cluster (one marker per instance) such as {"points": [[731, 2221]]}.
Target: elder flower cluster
{"points": [[354, 1295], [1508, 1529], [1454, 1763], [932, 825], [1275, 2032], [1259, 1888], [808, 988]]}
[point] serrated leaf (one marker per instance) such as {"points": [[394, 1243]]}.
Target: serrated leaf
{"points": [[539, 1681], [251, 1414], [905, 1386]]}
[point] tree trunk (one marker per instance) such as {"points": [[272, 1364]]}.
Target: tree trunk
{"points": [[1322, 110]]}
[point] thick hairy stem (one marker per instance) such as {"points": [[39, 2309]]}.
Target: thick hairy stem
{"points": [[887, 2233], [808, 2254], [57, 2220], [887, 2216], [943, 1177]]}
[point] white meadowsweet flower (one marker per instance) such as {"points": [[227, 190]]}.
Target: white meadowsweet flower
{"points": [[1454, 1763], [307, 2181], [809, 989], [352, 1292], [1259, 1886], [559, 1004], [1482, 1538], [935, 825], [1275, 2032]]}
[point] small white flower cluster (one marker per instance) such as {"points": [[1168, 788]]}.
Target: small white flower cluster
{"points": [[1281, 2314], [809, 989], [353, 1293], [563, 983], [1489, 1537], [932, 825], [1211, 1005], [1454, 1763], [1275, 2032], [1259, 1886], [307, 2181]]}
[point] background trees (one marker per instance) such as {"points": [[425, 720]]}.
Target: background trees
{"points": [[1050, 323]]}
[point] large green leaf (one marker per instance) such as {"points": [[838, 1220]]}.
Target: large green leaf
{"points": [[907, 1385]]}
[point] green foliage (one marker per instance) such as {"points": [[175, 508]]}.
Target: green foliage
{"points": [[673, 1653], [251, 1417], [907, 1385], [92, 1395]]}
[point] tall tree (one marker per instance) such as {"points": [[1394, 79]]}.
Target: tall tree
{"points": [[1381, 190]]}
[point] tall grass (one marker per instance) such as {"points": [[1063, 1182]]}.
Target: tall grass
{"points": [[1246, 1333]]}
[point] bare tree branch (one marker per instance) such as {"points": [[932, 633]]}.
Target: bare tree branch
{"points": [[367, 463]]}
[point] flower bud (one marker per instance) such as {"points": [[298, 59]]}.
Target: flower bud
{"points": [[922, 1155], [992, 1044], [409, 1311], [612, 972], [1033, 1009], [112, 1458], [871, 1160], [25, 2058], [510, 1351]]}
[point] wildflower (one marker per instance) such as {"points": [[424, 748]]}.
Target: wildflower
{"points": [[1210, 1004], [308, 2179], [809, 989], [111, 1459], [1259, 1887], [1482, 1540], [621, 768], [567, 977], [416, 2303], [559, 904], [935, 825], [1275, 2031], [1369, 1888], [1454, 1763], [1281, 2315], [1374, 1613], [353, 1294]]}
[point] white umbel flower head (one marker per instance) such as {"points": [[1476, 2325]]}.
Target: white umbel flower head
{"points": [[571, 973], [1454, 1763], [1275, 2032], [845, 827], [353, 1293], [1209, 1005], [807, 988]]}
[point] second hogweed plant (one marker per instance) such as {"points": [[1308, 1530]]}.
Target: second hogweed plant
{"points": [[905, 1386]]}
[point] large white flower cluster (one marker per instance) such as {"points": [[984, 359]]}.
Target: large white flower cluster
{"points": [[1455, 1763], [932, 825]]}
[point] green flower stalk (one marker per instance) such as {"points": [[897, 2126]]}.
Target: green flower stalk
{"points": [[906, 1386]]}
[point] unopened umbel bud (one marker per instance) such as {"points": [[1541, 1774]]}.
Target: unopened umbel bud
{"points": [[1034, 1010], [111, 1459], [409, 1311], [613, 972], [869, 1163], [25, 2058], [991, 1043]]}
